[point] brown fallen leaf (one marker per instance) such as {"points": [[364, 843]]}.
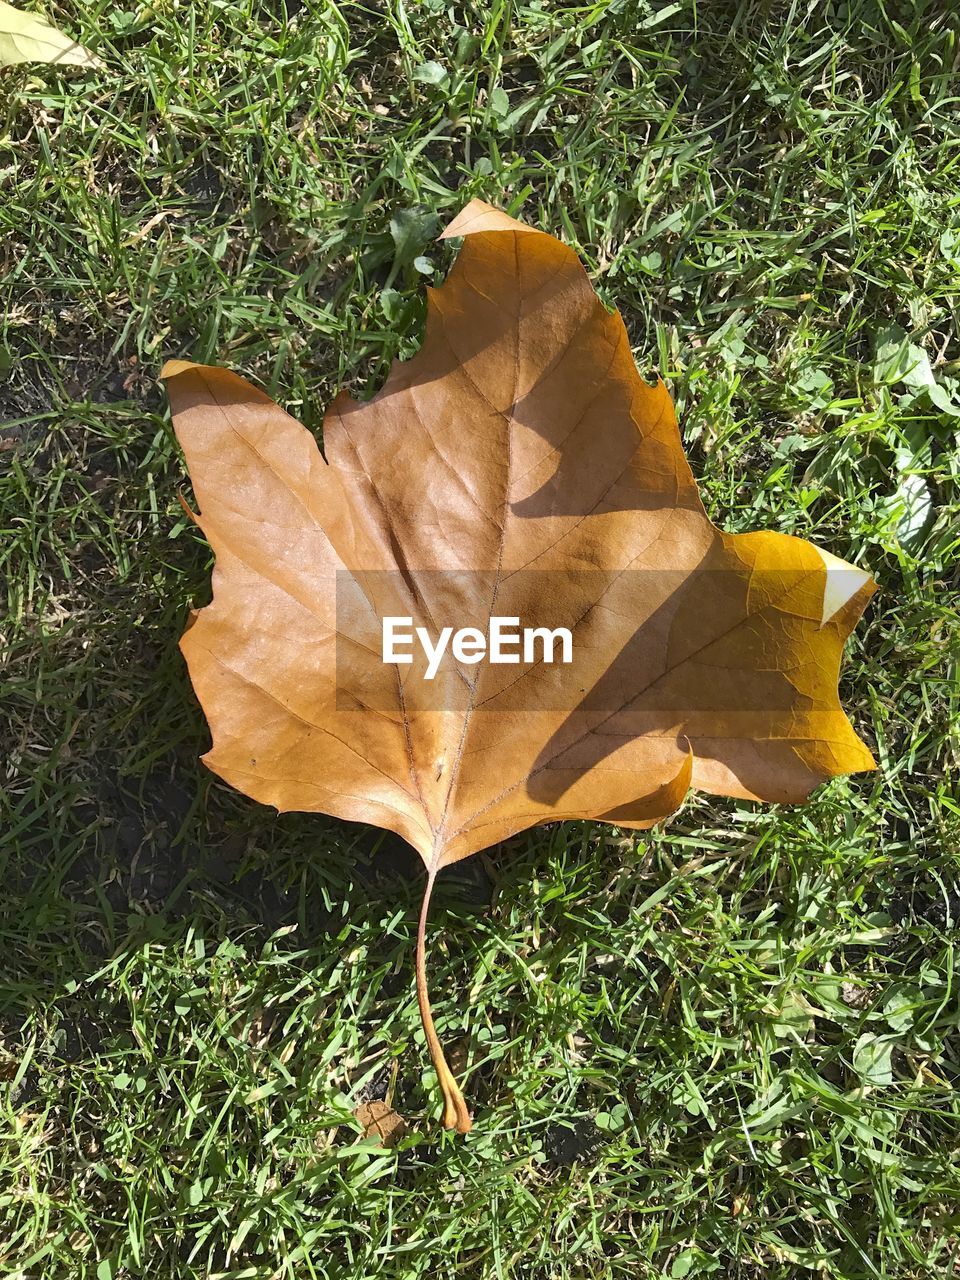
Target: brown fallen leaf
{"points": [[379, 1120], [516, 467]]}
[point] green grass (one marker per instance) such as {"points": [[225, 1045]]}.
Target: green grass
{"points": [[727, 1049]]}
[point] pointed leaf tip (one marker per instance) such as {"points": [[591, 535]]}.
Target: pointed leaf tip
{"points": [[172, 367], [478, 216]]}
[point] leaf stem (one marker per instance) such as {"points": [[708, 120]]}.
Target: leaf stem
{"points": [[455, 1113]]}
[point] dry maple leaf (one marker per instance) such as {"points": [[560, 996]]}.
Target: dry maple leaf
{"points": [[516, 467]]}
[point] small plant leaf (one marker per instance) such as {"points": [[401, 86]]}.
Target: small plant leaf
{"points": [[872, 1058], [430, 73]]}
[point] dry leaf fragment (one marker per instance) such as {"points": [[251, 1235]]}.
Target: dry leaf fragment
{"points": [[379, 1120], [516, 467], [28, 37]]}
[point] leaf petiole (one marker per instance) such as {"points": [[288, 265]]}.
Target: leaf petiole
{"points": [[455, 1113]]}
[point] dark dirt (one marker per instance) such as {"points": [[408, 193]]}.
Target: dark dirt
{"points": [[576, 1141], [925, 907]]}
